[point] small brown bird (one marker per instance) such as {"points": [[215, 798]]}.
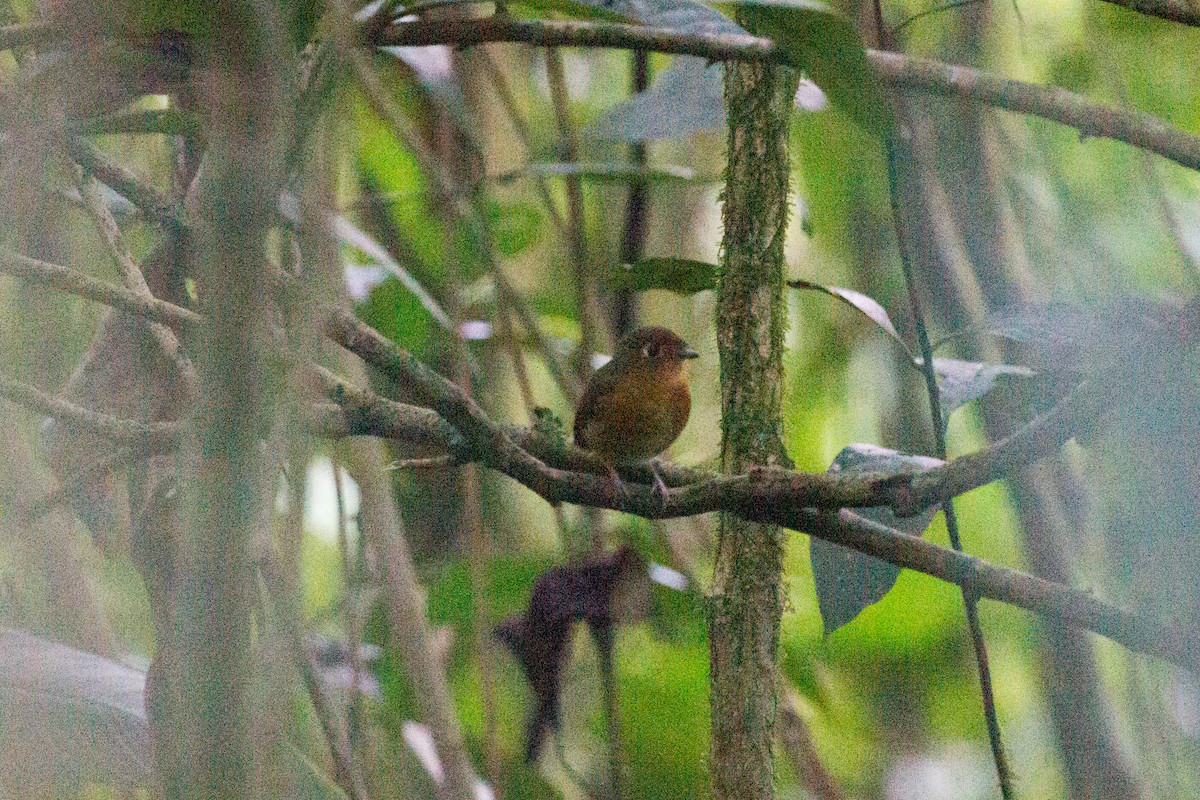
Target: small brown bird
{"points": [[637, 404]]}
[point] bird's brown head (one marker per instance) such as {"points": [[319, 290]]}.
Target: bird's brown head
{"points": [[652, 349], [637, 404]]}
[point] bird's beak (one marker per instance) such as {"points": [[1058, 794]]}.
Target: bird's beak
{"points": [[687, 352]]}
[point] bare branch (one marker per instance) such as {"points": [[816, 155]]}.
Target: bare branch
{"points": [[905, 72], [563, 473], [74, 282], [149, 200], [110, 232], [119, 430]]}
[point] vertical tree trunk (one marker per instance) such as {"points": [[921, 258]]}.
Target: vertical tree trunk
{"points": [[744, 626], [212, 753]]}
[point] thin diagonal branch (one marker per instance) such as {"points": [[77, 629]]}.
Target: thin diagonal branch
{"points": [[150, 201], [122, 431], [787, 499], [110, 232], [696, 491], [77, 283]]}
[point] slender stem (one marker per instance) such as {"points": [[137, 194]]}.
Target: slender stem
{"points": [[521, 127], [355, 710], [134, 280], [637, 209], [939, 429]]}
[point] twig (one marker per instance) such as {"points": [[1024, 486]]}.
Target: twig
{"points": [[355, 711], [153, 203], [798, 745], [521, 127], [73, 482], [110, 232], [122, 431], [432, 462], [585, 295], [568, 382], [902, 71], [637, 209], [346, 772], [77, 283], [970, 603]]}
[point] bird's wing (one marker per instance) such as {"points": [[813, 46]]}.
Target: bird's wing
{"points": [[598, 389]]}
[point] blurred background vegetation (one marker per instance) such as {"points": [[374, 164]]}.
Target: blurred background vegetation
{"points": [[890, 702]]}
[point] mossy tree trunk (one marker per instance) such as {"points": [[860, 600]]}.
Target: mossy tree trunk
{"points": [[744, 626]]}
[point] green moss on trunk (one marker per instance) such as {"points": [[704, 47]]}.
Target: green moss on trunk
{"points": [[744, 627]]}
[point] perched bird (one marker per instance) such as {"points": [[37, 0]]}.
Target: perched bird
{"points": [[636, 404]]}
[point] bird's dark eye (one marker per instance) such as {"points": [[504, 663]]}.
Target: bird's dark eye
{"points": [[649, 350]]}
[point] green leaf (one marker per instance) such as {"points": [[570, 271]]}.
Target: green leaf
{"points": [[685, 98], [864, 303], [515, 226], [823, 42], [68, 717], [679, 275], [848, 581]]}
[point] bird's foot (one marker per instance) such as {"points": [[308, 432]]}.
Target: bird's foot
{"points": [[620, 490], [660, 488]]}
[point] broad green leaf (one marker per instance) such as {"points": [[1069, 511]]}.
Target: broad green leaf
{"points": [[864, 303], [848, 581], [823, 43], [678, 275], [1119, 336], [686, 98], [68, 718]]}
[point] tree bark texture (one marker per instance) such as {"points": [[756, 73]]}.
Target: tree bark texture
{"points": [[746, 605], [212, 752]]}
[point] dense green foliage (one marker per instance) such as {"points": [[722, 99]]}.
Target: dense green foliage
{"points": [[890, 698]]}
